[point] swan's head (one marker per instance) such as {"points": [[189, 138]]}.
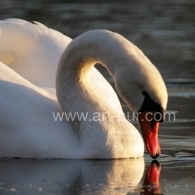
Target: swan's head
{"points": [[141, 86]]}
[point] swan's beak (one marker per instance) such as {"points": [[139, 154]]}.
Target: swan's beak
{"points": [[149, 129]]}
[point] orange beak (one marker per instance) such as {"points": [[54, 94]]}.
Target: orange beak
{"points": [[149, 129]]}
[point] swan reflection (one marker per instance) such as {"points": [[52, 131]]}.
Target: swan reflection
{"points": [[79, 176], [70, 176]]}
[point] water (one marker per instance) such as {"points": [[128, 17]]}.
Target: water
{"points": [[165, 32], [96, 177]]}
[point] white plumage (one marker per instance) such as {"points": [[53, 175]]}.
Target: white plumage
{"points": [[29, 54]]}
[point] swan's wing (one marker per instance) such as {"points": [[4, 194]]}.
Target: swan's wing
{"points": [[32, 50], [27, 124]]}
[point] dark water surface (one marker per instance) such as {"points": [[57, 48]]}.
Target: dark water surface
{"points": [[165, 32], [97, 176]]}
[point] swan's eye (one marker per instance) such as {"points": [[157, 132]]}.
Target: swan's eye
{"points": [[150, 105]]}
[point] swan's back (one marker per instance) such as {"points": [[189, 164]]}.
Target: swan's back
{"points": [[32, 50]]}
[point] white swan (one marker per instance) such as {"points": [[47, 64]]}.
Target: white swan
{"points": [[27, 101]]}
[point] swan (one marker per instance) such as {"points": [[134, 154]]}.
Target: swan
{"points": [[29, 55]]}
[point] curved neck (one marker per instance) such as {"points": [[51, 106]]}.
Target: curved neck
{"points": [[104, 47], [76, 92], [107, 48]]}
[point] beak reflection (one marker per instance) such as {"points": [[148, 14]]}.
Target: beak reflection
{"points": [[151, 185]]}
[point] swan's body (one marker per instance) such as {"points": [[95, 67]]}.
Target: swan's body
{"points": [[28, 102]]}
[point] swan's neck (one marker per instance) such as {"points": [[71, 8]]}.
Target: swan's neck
{"points": [[76, 95], [74, 89], [73, 78]]}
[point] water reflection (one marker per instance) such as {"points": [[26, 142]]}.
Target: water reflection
{"points": [[71, 176], [127, 176], [24, 176], [151, 183]]}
